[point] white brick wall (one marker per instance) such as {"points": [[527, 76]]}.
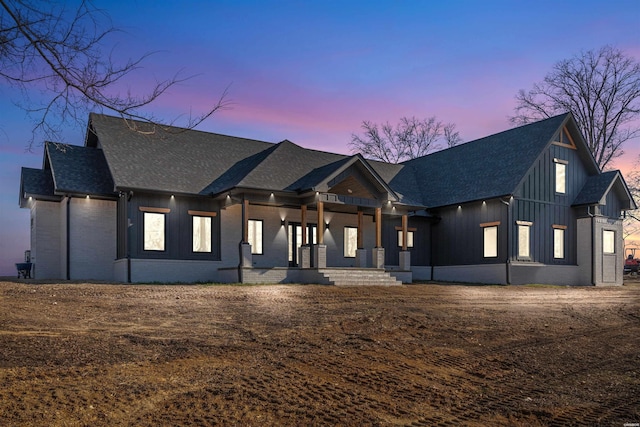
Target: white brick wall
{"points": [[93, 238], [46, 240]]}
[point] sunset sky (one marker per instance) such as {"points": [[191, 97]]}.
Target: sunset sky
{"points": [[312, 71]]}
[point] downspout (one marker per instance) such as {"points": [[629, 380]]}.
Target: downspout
{"points": [[432, 244], [242, 240], [127, 238], [593, 245], [509, 243], [68, 237], [431, 247]]}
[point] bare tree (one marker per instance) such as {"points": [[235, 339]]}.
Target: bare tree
{"points": [[409, 139], [602, 90], [46, 47]]}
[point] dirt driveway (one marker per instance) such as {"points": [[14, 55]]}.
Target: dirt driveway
{"points": [[419, 355]]}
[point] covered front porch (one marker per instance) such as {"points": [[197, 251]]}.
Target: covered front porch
{"points": [[331, 230]]}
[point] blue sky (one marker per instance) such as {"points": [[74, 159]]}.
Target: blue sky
{"points": [[312, 71]]}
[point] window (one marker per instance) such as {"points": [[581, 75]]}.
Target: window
{"points": [[524, 239], [561, 176], [201, 234], [350, 242], [409, 238], [608, 241], [558, 241], [255, 236], [490, 239], [153, 231]]}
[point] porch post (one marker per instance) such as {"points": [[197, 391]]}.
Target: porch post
{"points": [[303, 220], [405, 255], [378, 251], [378, 227], [321, 249], [320, 229], [404, 232], [304, 255], [361, 253]]}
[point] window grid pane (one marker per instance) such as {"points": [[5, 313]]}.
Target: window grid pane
{"points": [[350, 242], [255, 236], [490, 242], [523, 241], [201, 234], [561, 173], [153, 231], [558, 243], [409, 239], [608, 242]]}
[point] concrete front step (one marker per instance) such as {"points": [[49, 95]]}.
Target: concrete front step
{"points": [[359, 277]]}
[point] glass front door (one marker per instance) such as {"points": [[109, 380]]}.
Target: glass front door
{"points": [[294, 231]]}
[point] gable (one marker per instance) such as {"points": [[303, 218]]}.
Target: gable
{"points": [[608, 188], [79, 170], [352, 186], [356, 172], [486, 168]]}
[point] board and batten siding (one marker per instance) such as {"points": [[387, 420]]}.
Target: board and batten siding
{"points": [[178, 226], [537, 201], [421, 250], [459, 238]]}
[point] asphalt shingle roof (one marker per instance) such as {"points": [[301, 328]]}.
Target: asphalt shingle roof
{"points": [[485, 168], [595, 188], [194, 162], [173, 160], [37, 182], [79, 170]]}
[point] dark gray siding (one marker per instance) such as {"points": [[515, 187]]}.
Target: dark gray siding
{"points": [[613, 207], [421, 251], [178, 226], [458, 237], [537, 201], [544, 216]]}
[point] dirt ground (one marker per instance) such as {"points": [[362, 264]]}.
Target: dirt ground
{"points": [[418, 355]]}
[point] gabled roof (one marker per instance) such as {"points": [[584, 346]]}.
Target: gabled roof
{"points": [[595, 190], [79, 170], [36, 183], [286, 166], [486, 168], [169, 160], [193, 162]]}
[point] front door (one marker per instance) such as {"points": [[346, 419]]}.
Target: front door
{"points": [[294, 232]]}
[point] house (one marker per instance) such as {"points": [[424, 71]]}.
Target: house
{"points": [[527, 205]]}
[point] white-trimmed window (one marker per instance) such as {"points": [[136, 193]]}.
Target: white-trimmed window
{"points": [[490, 239], [524, 239], [558, 241], [154, 236], [350, 242], [608, 241], [409, 238], [561, 175], [255, 236]]}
